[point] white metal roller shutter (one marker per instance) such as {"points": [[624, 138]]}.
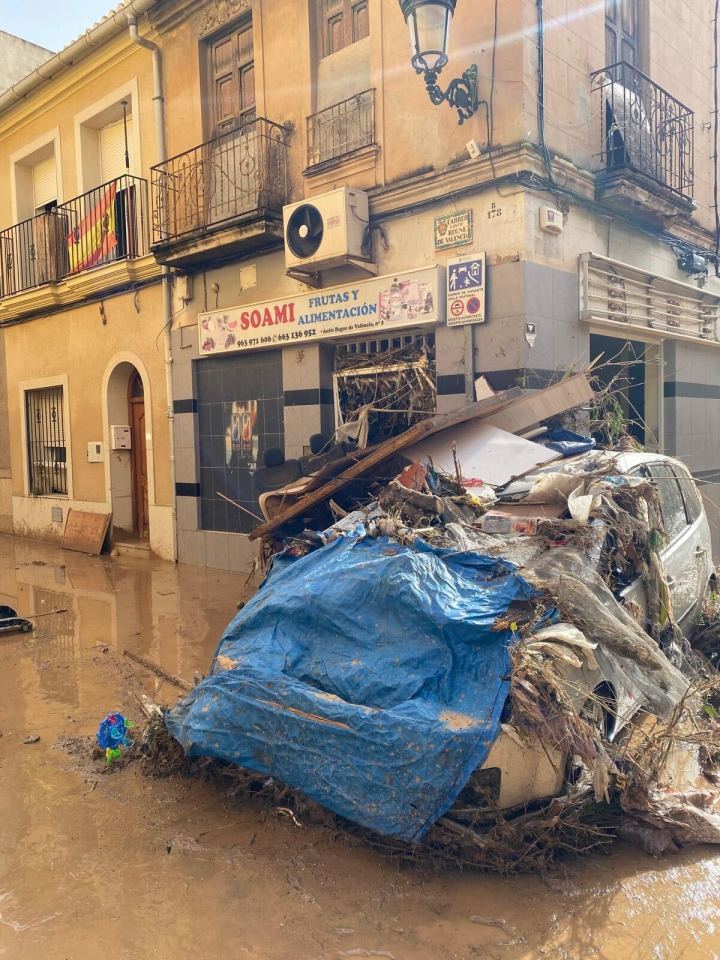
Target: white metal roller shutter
{"points": [[44, 183], [112, 149]]}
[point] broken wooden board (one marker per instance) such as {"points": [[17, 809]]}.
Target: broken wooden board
{"points": [[536, 407], [517, 407], [86, 532]]}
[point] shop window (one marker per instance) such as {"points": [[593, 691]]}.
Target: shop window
{"points": [[241, 416], [46, 446], [386, 385], [342, 23]]}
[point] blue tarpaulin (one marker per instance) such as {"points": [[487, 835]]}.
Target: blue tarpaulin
{"points": [[570, 444], [366, 674]]}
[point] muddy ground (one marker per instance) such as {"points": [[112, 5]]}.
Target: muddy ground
{"points": [[125, 867]]}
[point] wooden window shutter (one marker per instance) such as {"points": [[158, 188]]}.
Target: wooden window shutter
{"points": [[343, 22], [360, 21], [232, 70]]}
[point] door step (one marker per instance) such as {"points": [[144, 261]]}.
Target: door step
{"points": [[137, 549]]}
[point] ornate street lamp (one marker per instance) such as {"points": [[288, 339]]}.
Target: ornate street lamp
{"points": [[429, 23]]}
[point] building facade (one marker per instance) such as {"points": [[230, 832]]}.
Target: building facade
{"points": [[81, 297], [577, 204], [18, 58]]}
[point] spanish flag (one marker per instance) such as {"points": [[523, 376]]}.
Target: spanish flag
{"points": [[94, 238]]}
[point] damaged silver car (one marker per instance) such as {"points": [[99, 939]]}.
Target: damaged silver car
{"points": [[607, 688]]}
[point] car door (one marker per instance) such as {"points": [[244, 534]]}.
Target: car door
{"points": [[680, 553]]}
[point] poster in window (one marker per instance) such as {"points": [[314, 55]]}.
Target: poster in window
{"points": [[242, 441]]}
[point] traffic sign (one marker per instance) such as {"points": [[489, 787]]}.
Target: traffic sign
{"points": [[466, 290]]}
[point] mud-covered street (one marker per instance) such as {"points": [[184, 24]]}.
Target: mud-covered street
{"points": [[135, 867]]}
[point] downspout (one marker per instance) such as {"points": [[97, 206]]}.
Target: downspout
{"points": [[160, 137]]}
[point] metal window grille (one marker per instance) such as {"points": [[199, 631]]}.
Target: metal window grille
{"points": [[385, 344], [342, 128], [47, 452]]}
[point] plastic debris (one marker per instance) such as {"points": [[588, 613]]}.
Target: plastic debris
{"points": [[113, 735]]}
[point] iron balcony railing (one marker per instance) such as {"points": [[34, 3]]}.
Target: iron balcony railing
{"points": [[101, 226], [342, 128], [239, 174], [645, 129]]}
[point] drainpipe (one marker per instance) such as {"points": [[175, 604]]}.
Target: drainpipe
{"points": [[159, 104]]}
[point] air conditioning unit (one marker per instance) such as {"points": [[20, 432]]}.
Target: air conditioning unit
{"points": [[327, 231]]}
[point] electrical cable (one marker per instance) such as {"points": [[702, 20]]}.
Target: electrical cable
{"points": [[489, 106], [547, 159], [716, 194]]}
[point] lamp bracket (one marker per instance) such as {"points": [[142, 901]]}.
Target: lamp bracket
{"points": [[461, 94]]}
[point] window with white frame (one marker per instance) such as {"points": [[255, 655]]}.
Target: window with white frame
{"points": [[36, 182], [46, 443], [108, 144]]}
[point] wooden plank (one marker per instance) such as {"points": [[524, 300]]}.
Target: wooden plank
{"points": [[158, 670], [515, 407], [537, 407], [86, 532]]}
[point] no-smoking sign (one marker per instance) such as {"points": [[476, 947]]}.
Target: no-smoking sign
{"points": [[466, 290]]}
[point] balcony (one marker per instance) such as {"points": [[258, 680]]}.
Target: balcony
{"points": [[224, 196], [105, 225], [647, 149], [341, 131]]}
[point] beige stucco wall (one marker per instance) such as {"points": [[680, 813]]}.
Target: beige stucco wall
{"points": [[77, 347], [412, 134]]}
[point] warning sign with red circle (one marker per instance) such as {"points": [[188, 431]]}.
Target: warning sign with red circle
{"points": [[466, 290]]}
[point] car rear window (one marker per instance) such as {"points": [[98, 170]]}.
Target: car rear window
{"points": [[690, 494], [671, 498]]}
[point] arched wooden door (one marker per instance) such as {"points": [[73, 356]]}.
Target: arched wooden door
{"points": [[138, 459]]}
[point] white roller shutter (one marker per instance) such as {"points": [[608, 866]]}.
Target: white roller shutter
{"points": [[44, 183], [112, 149]]}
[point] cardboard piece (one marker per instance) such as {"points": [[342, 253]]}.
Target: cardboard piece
{"points": [[515, 406], [86, 532], [486, 454]]}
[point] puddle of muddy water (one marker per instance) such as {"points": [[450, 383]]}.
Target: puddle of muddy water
{"points": [[130, 867]]}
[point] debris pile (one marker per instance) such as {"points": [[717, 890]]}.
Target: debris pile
{"points": [[466, 647], [382, 395]]}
